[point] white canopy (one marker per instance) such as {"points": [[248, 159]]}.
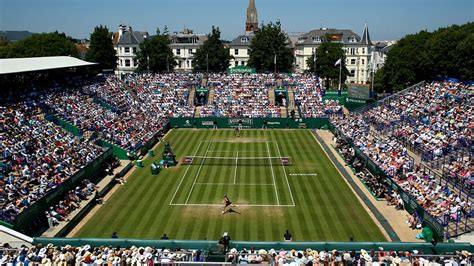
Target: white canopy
{"points": [[18, 65]]}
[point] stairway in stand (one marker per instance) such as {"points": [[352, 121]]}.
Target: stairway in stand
{"points": [[283, 112], [291, 98], [291, 103], [197, 112], [191, 96], [271, 96], [210, 98]]}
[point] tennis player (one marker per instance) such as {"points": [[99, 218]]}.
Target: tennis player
{"points": [[237, 132], [227, 203]]}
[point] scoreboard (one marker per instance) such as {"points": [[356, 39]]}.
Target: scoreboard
{"points": [[358, 91]]}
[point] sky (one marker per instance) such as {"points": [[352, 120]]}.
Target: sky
{"points": [[387, 19]]}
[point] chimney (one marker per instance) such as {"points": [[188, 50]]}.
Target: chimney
{"points": [[121, 30]]}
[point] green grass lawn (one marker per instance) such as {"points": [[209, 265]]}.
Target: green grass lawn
{"points": [[308, 197]]}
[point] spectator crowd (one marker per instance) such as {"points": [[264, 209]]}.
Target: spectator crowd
{"points": [[108, 255], [439, 120]]}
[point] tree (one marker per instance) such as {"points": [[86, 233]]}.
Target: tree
{"points": [[270, 42], [213, 52], [445, 52], [45, 44], [155, 54], [327, 55], [101, 49]]}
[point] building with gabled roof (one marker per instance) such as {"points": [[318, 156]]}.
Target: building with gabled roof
{"points": [[358, 50], [184, 45], [127, 45]]}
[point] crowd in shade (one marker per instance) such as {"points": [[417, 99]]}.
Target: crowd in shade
{"points": [[376, 184], [143, 104], [436, 117], [70, 202], [36, 156], [237, 95], [450, 127], [309, 96], [103, 255]]}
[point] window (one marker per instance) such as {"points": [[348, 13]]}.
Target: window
{"points": [[363, 50], [316, 39], [190, 51], [127, 49], [353, 39], [244, 39], [363, 61], [236, 51], [188, 63], [134, 50], [178, 52], [353, 72], [127, 62], [353, 61], [352, 51]]}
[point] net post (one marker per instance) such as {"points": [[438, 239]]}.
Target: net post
{"points": [[285, 161], [187, 160]]}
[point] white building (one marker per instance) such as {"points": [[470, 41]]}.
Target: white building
{"points": [[379, 53], [239, 48], [126, 43], [184, 45], [358, 51]]}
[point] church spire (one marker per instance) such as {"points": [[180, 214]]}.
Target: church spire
{"points": [[251, 25], [365, 36]]}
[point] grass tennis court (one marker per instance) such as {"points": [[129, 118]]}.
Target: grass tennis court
{"points": [[240, 168], [308, 197]]}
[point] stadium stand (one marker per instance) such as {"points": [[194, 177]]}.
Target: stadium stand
{"points": [[436, 124], [241, 96], [434, 119]]}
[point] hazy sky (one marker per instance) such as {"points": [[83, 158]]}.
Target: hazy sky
{"points": [[387, 19]]}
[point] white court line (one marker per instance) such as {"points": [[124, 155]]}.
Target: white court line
{"points": [[236, 166], [239, 205], [234, 151], [174, 195], [237, 184], [295, 174], [286, 177], [252, 141], [273, 174], [199, 170]]}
